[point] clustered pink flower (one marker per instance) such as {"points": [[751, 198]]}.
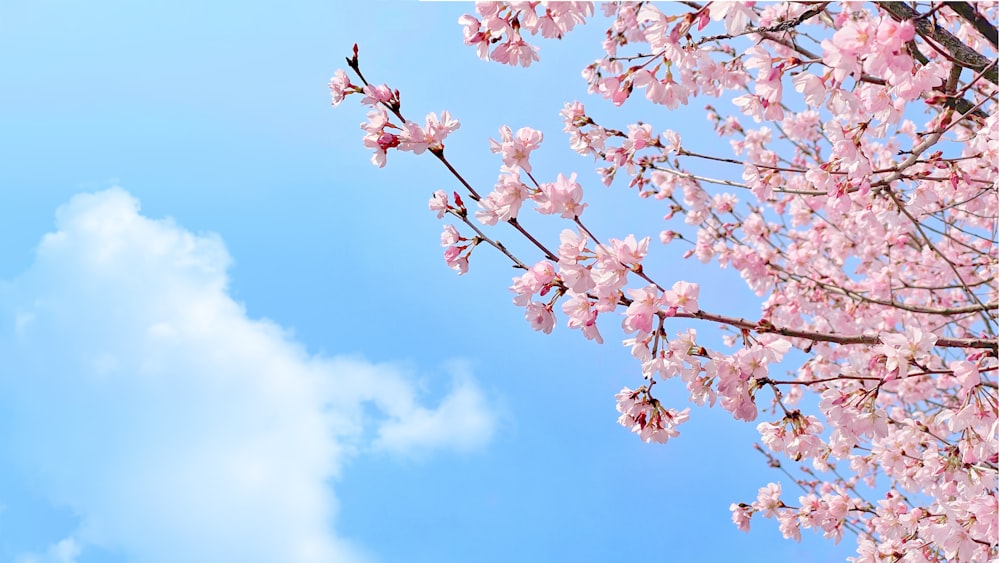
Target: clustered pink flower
{"points": [[376, 137], [504, 202], [439, 203], [381, 134], [582, 315], [515, 150], [417, 139], [647, 417], [742, 515], [457, 258], [867, 230], [539, 279], [340, 86], [562, 196], [540, 316], [796, 435], [450, 236], [376, 95], [584, 136], [501, 25], [901, 349]]}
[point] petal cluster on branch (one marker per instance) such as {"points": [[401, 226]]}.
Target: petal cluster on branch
{"points": [[859, 202]]}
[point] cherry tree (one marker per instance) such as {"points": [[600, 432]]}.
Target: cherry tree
{"points": [[859, 202]]}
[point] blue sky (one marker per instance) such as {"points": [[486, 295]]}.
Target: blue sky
{"points": [[225, 336]]}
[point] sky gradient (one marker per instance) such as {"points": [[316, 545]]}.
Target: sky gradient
{"points": [[226, 336]]}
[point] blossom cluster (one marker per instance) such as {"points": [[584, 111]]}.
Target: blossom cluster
{"points": [[859, 203], [647, 417], [381, 132], [501, 25]]}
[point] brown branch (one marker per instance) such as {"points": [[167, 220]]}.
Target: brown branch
{"points": [[969, 13], [767, 328], [781, 26], [961, 53], [949, 311]]}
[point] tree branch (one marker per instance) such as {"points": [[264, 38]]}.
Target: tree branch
{"points": [[961, 53], [767, 328], [969, 13]]}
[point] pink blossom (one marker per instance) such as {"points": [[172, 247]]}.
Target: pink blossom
{"points": [[340, 85], [843, 62], [737, 15], [515, 52], [758, 58], [811, 87], [892, 35], [614, 89], [540, 316], [863, 225], [741, 516], [543, 273], [640, 136], [456, 260], [450, 236], [926, 77], [475, 37], [673, 141], [562, 196], [574, 116], [417, 139], [639, 314], [375, 95], [854, 37], [661, 426], [724, 203], [966, 373], [646, 417], [608, 273], [504, 202], [802, 126], [774, 348], [733, 387], [575, 275], [439, 203], [788, 523], [769, 500], [437, 128], [666, 92], [516, 150], [683, 295], [657, 31], [900, 349], [582, 316], [559, 18], [376, 137], [629, 251], [796, 434], [504, 27], [757, 108], [414, 139]]}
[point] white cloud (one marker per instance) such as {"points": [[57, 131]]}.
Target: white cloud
{"points": [[178, 429], [64, 551], [461, 419]]}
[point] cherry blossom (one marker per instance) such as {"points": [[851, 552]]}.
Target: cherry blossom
{"points": [[562, 196], [516, 149], [439, 203], [857, 201], [340, 86]]}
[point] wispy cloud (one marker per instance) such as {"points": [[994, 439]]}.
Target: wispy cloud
{"points": [[143, 398]]}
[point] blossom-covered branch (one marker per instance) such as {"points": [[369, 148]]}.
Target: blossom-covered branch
{"points": [[864, 150]]}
